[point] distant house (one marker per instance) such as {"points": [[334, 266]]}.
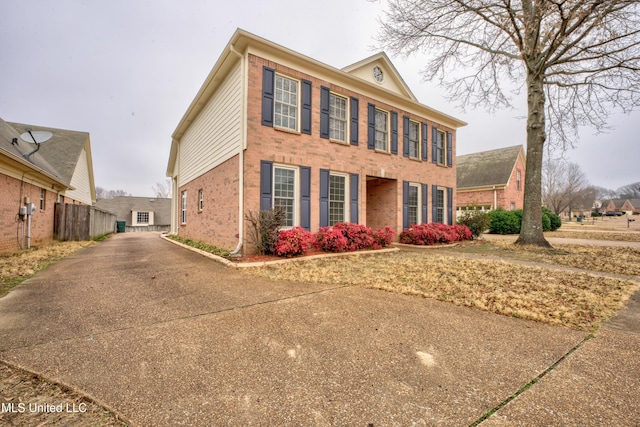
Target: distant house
{"points": [[491, 179], [273, 128], [627, 206], [32, 177], [140, 213]]}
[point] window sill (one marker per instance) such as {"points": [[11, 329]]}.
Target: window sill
{"points": [[287, 130], [337, 141], [377, 150]]}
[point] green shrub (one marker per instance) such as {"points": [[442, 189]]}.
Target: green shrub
{"points": [[554, 220], [505, 222], [478, 221]]}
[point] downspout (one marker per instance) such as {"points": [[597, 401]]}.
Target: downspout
{"points": [[243, 115], [495, 198]]}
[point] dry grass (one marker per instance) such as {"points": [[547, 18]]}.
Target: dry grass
{"points": [[576, 300], [16, 268], [594, 235]]}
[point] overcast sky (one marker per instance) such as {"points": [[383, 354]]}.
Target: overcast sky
{"points": [[126, 70]]}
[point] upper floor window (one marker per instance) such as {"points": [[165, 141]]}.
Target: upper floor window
{"points": [[414, 139], [286, 103], [200, 200], [382, 130], [441, 149], [43, 199], [337, 118], [518, 180]]}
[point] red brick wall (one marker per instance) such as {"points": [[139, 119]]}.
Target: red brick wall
{"points": [[217, 223], [267, 143], [13, 193]]}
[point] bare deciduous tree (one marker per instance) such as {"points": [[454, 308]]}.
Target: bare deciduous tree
{"points": [[102, 193], [565, 186], [630, 191], [162, 189], [577, 60]]}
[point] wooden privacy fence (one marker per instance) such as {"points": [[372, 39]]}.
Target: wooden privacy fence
{"points": [[81, 222]]}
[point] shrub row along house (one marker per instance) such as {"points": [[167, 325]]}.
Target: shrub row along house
{"points": [[58, 171], [273, 128]]}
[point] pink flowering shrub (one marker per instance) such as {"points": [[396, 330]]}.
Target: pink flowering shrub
{"points": [[432, 233], [295, 241], [383, 237], [345, 236], [330, 239]]}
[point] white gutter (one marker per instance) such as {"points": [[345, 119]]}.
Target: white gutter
{"points": [[242, 146]]}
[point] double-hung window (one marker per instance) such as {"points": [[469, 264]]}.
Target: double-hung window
{"points": [[286, 103], [518, 180], [440, 204], [382, 130], [142, 217], [284, 193], [414, 204], [337, 198], [414, 139], [338, 118], [184, 208], [200, 200], [441, 149]]}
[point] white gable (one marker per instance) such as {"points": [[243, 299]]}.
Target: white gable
{"points": [[379, 70]]}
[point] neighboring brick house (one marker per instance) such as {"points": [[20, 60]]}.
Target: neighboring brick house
{"points": [[627, 206], [59, 171], [271, 127], [140, 213], [491, 179]]}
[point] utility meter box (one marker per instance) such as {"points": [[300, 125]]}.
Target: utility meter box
{"points": [[31, 208], [23, 211]]}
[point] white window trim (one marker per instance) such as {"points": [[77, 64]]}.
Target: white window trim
{"points": [[296, 192], [346, 194], [298, 103], [183, 207], [419, 207], [444, 147], [419, 141], [444, 205], [134, 219], [346, 119], [388, 130]]}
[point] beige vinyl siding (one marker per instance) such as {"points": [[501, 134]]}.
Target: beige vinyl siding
{"points": [[80, 181], [215, 135]]}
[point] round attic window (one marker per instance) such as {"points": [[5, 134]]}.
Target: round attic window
{"points": [[378, 74]]}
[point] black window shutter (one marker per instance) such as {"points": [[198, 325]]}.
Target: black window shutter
{"points": [[424, 203], [405, 204], [434, 203], [306, 107], [449, 149], [305, 197], [394, 132], [268, 82], [354, 121], [324, 197], [434, 144], [450, 206], [371, 126], [353, 197], [266, 184], [324, 112], [425, 146], [405, 136]]}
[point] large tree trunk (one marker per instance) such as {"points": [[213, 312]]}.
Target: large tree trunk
{"points": [[531, 230]]}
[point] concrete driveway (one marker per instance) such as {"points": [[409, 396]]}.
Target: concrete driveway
{"points": [[165, 337]]}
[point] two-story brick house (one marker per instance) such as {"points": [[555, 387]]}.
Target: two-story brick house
{"points": [[271, 127]]}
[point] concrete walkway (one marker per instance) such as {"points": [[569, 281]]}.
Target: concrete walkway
{"points": [[165, 337]]}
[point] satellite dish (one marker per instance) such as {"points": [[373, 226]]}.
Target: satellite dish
{"points": [[36, 136]]}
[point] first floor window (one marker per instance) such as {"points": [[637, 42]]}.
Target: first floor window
{"points": [[284, 193], [337, 198], [200, 200], [414, 139], [440, 203], [142, 218], [414, 204], [286, 103], [382, 130], [43, 198], [184, 207], [518, 180]]}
